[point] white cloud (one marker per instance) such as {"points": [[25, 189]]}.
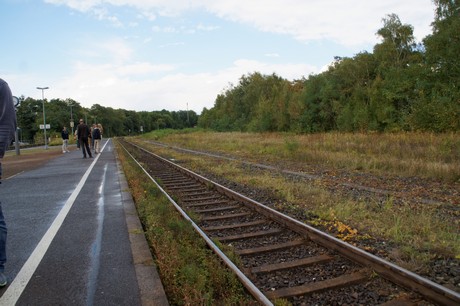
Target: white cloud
{"points": [[109, 72], [79, 5], [346, 22], [349, 23], [141, 86], [113, 49], [174, 44], [202, 27], [103, 14], [164, 29], [149, 15], [138, 69], [183, 29]]}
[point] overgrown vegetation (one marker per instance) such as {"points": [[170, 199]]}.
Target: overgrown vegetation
{"points": [[115, 122], [190, 272], [428, 155], [419, 230]]}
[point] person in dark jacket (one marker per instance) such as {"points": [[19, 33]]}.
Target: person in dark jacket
{"points": [[65, 140], [97, 139], [83, 133], [7, 129]]}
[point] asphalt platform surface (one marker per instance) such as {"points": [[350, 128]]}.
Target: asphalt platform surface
{"points": [[74, 237]]}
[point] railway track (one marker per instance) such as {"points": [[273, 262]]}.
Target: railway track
{"points": [[282, 257]]}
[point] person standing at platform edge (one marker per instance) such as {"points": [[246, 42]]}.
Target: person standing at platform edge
{"points": [[65, 140], [97, 139], [83, 133], [7, 129]]}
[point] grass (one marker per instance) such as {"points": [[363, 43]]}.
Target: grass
{"points": [[408, 154], [190, 272], [419, 233]]}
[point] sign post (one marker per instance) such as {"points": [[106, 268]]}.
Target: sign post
{"points": [[16, 133]]}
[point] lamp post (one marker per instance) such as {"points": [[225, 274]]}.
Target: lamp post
{"points": [[71, 117], [44, 117]]}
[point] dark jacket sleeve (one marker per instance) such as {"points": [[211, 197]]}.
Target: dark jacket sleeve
{"points": [[7, 117]]}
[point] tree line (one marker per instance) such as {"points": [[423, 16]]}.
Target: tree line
{"points": [[115, 122], [400, 86]]}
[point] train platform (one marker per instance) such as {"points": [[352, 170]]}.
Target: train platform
{"points": [[74, 237]]}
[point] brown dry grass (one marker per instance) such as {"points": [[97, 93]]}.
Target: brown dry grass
{"points": [[411, 166], [425, 155]]}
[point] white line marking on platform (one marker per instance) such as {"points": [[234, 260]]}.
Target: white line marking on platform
{"points": [[14, 291]]}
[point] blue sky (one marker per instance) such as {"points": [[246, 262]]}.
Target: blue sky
{"points": [[148, 55]]}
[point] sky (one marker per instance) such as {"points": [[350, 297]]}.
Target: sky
{"points": [[150, 55]]}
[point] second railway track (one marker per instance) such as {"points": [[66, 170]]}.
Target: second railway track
{"points": [[284, 258]]}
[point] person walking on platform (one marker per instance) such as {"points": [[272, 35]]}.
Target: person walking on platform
{"points": [[83, 133], [100, 129], [75, 137], [65, 140], [97, 139], [91, 135], [7, 129]]}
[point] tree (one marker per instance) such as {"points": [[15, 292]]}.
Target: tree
{"points": [[395, 87], [442, 47], [438, 106], [397, 44], [26, 115]]}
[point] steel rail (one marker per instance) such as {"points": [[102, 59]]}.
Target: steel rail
{"points": [[256, 293]]}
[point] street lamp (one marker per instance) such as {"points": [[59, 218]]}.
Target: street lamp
{"points": [[71, 116], [44, 117]]}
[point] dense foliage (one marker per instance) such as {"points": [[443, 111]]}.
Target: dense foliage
{"points": [[401, 85], [115, 122]]}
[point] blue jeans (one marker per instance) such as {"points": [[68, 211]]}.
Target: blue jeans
{"points": [[3, 232]]}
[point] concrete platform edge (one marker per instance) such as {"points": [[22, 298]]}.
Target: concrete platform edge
{"points": [[151, 289]]}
